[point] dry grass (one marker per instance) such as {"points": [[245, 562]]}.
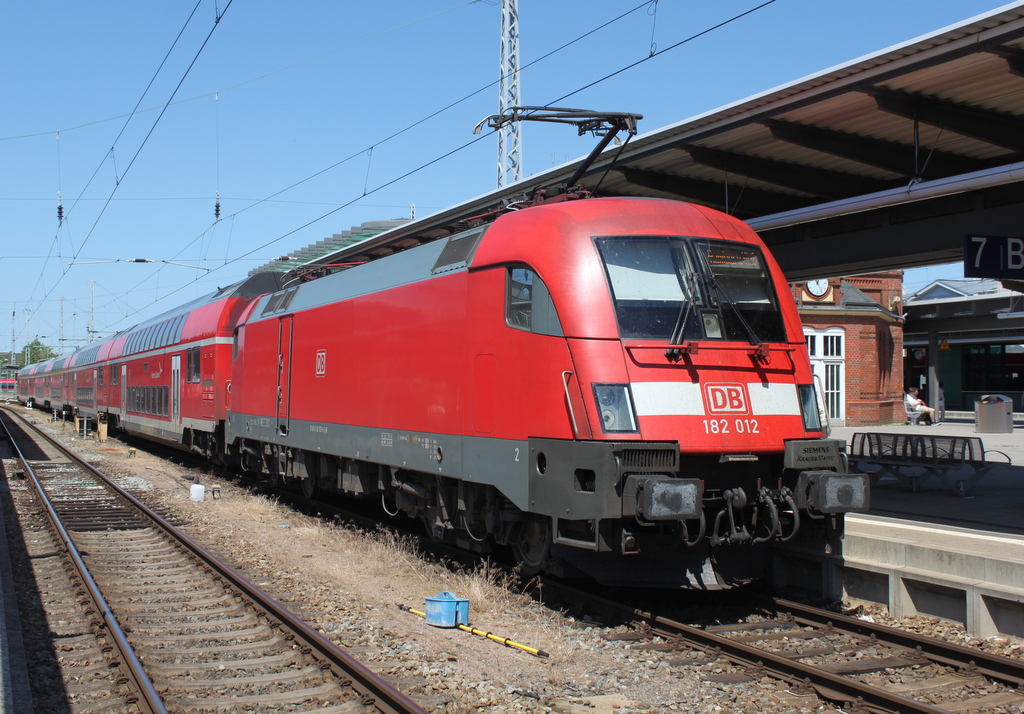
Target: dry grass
{"points": [[257, 507], [380, 563]]}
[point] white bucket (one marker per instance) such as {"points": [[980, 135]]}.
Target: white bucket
{"points": [[196, 492]]}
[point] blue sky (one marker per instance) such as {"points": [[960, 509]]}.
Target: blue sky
{"points": [[298, 114]]}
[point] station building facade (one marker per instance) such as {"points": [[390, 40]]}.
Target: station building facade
{"points": [[854, 336]]}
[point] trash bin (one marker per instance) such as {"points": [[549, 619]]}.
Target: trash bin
{"points": [[994, 414]]}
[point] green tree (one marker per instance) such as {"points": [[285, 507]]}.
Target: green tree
{"points": [[36, 351]]}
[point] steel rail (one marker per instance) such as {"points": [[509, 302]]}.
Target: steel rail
{"points": [[376, 692], [1004, 669], [149, 700], [828, 685]]}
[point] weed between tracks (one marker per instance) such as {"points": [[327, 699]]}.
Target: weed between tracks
{"points": [[378, 554]]}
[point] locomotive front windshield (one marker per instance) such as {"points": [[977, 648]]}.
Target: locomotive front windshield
{"points": [[680, 289]]}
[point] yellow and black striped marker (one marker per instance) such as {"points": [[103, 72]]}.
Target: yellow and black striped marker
{"points": [[480, 633]]}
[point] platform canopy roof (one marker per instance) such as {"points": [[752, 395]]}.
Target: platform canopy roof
{"points": [[884, 162]]}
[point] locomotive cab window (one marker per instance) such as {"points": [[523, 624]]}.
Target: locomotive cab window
{"points": [[678, 289], [528, 304]]}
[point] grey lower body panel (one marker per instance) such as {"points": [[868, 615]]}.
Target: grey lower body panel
{"points": [[501, 463]]}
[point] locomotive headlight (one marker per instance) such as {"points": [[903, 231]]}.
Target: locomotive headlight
{"points": [[809, 408], [615, 406]]}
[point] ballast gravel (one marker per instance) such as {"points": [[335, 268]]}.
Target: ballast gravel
{"points": [[346, 583]]}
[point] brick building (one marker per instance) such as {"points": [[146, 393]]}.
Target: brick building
{"points": [[854, 336]]}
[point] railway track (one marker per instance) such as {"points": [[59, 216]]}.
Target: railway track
{"points": [[822, 655], [151, 622]]}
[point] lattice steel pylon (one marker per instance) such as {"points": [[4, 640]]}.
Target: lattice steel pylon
{"points": [[509, 140]]}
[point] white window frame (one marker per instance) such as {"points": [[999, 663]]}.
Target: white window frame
{"points": [[829, 369]]}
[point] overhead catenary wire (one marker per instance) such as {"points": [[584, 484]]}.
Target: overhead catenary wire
{"points": [[149, 134], [366, 191], [658, 53], [370, 191], [219, 15], [445, 108], [110, 152], [553, 102]]}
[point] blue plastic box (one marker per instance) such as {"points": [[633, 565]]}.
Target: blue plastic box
{"points": [[447, 610]]}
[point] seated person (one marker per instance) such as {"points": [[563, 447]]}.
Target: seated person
{"points": [[915, 403]]}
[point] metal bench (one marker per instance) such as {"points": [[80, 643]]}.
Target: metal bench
{"points": [[912, 414], [914, 458]]}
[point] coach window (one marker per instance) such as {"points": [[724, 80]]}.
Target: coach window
{"points": [[176, 326], [528, 304], [113, 375], [193, 365]]}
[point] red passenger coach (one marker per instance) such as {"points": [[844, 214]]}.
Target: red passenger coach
{"points": [[165, 379], [617, 385]]}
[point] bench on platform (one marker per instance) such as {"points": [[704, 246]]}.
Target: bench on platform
{"points": [[914, 458], [912, 414]]}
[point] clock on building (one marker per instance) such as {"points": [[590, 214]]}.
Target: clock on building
{"points": [[817, 288]]}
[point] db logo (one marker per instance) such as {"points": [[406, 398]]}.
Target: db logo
{"points": [[321, 363], [726, 398]]}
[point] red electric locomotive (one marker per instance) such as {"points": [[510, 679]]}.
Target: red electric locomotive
{"points": [[615, 384], [618, 386]]}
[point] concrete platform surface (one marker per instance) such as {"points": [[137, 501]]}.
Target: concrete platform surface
{"points": [[930, 551], [995, 502]]}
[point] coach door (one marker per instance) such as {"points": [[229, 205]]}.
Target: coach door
{"points": [[176, 393], [124, 391], [284, 372]]}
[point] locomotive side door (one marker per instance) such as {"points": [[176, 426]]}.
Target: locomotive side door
{"points": [[284, 372], [176, 393]]}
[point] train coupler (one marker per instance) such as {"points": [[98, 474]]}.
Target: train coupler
{"points": [[735, 502]]}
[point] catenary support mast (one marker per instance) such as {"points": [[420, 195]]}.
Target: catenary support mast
{"points": [[509, 141]]}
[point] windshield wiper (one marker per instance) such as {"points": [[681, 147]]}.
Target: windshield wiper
{"points": [[689, 291], [679, 331], [712, 280]]}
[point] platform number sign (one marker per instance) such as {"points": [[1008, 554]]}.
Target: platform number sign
{"points": [[993, 257], [321, 363]]}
